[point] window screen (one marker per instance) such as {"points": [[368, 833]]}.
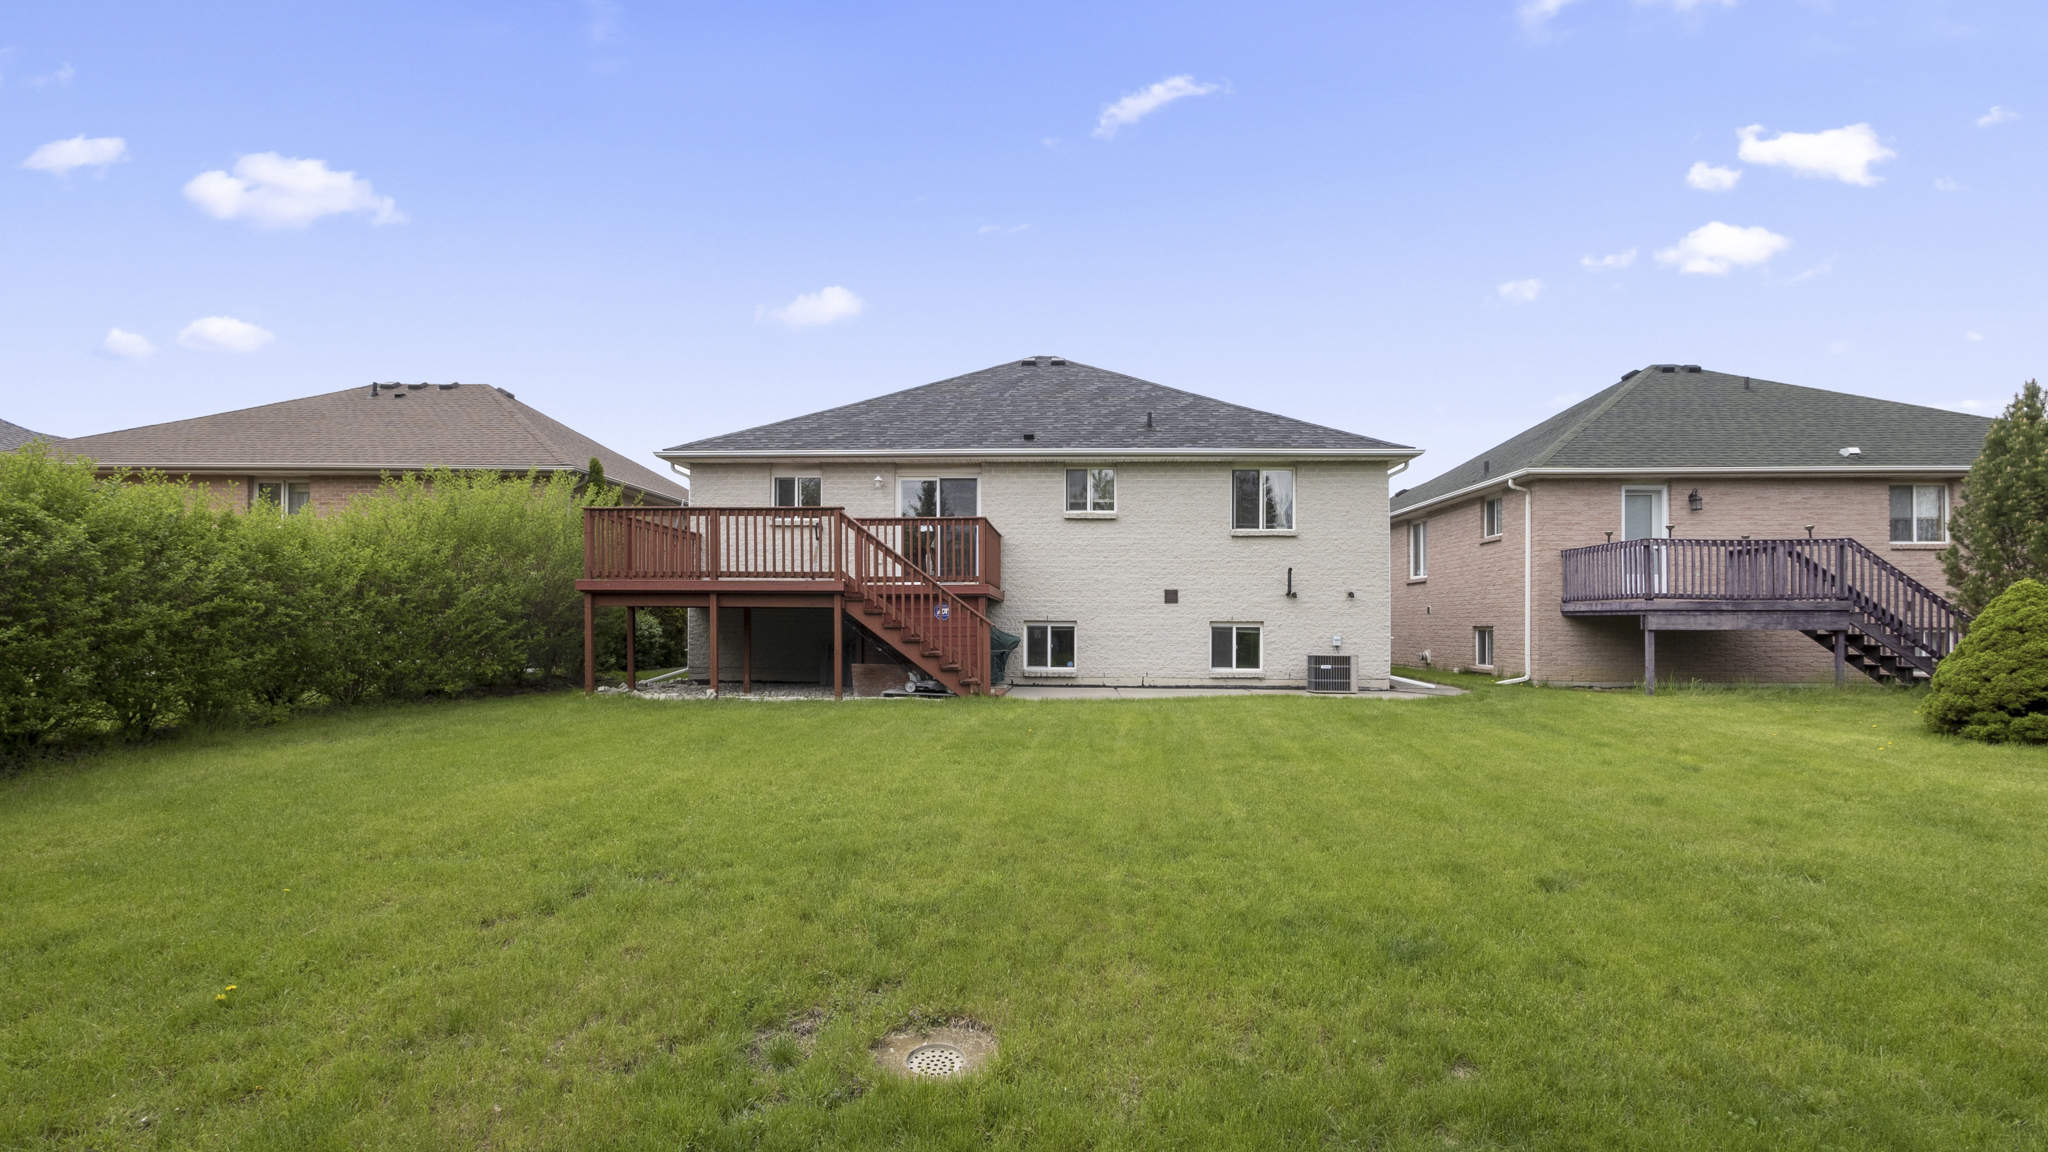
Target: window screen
{"points": [[1482, 647], [1919, 512], [799, 491], [1091, 489], [960, 497], [1489, 517], [1262, 499], [1234, 647], [1049, 646]]}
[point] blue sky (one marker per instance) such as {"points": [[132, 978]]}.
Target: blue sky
{"points": [[658, 222]]}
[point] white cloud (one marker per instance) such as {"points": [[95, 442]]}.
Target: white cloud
{"points": [[1610, 261], [271, 191], [1974, 337], [1707, 178], [126, 345], [1821, 269], [825, 306], [61, 78], [1997, 115], [1844, 154], [1944, 184], [61, 156], [1974, 405], [1520, 291], [1535, 13], [1138, 105], [1712, 249], [1839, 347], [604, 19], [1689, 5], [223, 334]]}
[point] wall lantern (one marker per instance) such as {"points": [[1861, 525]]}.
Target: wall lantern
{"points": [[1693, 501]]}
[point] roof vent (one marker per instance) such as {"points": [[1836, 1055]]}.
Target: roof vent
{"points": [[1692, 368], [1402, 492], [1031, 435], [1853, 453], [414, 387], [1667, 367], [1027, 362], [1485, 467], [507, 395], [1058, 363], [1629, 375], [1148, 419], [446, 387]]}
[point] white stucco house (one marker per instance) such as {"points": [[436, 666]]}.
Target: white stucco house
{"points": [[1125, 532]]}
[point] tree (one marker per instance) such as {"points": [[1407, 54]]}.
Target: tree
{"points": [[2000, 528], [595, 484]]}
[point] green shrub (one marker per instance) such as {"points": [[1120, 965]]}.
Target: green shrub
{"points": [[1994, 686], [131, 603]]}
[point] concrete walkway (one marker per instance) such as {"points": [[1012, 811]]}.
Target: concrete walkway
{"points": [[1079, 692]]}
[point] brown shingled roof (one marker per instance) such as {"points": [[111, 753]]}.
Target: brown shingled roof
{"points": [[383, 428]]}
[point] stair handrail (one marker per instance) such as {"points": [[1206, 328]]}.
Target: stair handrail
{"points": [[960, 617]]}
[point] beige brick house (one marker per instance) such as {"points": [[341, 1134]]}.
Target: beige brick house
{"points": [[1705, 525], [1125, 532], [319, 452]]}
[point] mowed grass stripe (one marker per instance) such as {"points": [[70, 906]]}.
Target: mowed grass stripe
{"points": [[1519, 918]]}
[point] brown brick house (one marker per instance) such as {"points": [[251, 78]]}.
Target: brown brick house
{"points": [[321, 451], [1688, 524]]}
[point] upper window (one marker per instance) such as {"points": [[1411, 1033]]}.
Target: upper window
{"points": [[799, 491], [1262, 499], [941, 497], [289, 498], [1489, 517], [1234, 647], [1048, 647], [1919, 513], [1418, 549], [1091, 489]]}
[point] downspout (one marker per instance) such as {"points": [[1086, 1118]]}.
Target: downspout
{"points": [[1528, 556]]}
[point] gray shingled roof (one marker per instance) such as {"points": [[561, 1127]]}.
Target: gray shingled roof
{"points": [[1669, 418], [402, 429], [13, 436], [1066, 406]]}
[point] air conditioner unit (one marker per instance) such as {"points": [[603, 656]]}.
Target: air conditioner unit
{"points": [[1330, 674]]}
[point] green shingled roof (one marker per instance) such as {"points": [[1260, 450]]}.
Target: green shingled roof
{"points": [[1668, 418]]}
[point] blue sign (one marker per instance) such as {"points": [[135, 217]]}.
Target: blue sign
{"points": [[942, 612]]}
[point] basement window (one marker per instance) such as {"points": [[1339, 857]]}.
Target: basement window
{"points": [[1049, 648], [1482, 648], [1234, 647], [1919, 513]]}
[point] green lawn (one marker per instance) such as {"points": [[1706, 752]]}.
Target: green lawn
{"points": [[1516, 919]]}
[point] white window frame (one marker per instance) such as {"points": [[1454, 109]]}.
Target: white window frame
{"points": [[1237, 626], [1031, 669], [1293, 503], [1492, 516], [284, 494], [1483, 651], [1418, 549], [937, 493], [796, 490], [1942, 512], [1088, 498]]}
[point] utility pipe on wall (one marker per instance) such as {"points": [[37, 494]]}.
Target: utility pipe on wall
{"points": [[1528, 557]]}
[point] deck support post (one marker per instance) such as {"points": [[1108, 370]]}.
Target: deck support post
{"points": [[747, 651], [632, 653], [712, 612], [839, 647], [1841, 658], [589, 643], [1649, 658]]}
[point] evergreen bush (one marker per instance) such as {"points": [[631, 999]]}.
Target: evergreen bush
{"points": [[134, 602], [1994, 686], [2000, 526]]}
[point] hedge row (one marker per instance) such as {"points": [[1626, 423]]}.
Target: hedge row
{"points": [[133, 603]]}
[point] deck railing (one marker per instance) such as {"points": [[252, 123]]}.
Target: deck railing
{"points": [[955, 549], [1767, 570], [778, 543]]}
